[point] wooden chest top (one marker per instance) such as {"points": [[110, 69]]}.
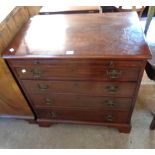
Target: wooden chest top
{"points": [[105, 36]]}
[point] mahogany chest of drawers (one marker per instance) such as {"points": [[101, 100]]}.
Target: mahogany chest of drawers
{"points": [[80, 68]]}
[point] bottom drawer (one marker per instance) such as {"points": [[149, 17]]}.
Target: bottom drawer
{"points": [[83, 115]]}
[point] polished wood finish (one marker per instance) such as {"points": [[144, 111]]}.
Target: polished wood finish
{"points": [[78, 101], [83, 115], [88, 62], [12, 102], [104, 36], [77, 70], [115, 89], [82, 69]]}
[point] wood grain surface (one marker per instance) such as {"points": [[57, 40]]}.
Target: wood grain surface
{"points": [[110, 35], [12, 102]]}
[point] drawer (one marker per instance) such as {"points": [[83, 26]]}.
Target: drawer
{"points": [[73, 62], [75, 72], [77, 101], [83, 115], [115, 89]]}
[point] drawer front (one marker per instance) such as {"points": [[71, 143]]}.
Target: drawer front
{"points": [[76, 101], [115, 89], [72, 62], [78, 72], [83, 115]]}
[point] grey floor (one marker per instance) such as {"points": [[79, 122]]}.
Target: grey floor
{"points": [[19, 134]]}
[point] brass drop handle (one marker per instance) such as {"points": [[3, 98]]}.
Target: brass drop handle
{"points": [[109, 103], [113, 73], [53, 114], [112, 89], [36, 73], [48, 101], [42, 87], [109, 118]]}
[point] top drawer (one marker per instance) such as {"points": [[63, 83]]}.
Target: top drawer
{"points": [[55, 62], [85, 70]]}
